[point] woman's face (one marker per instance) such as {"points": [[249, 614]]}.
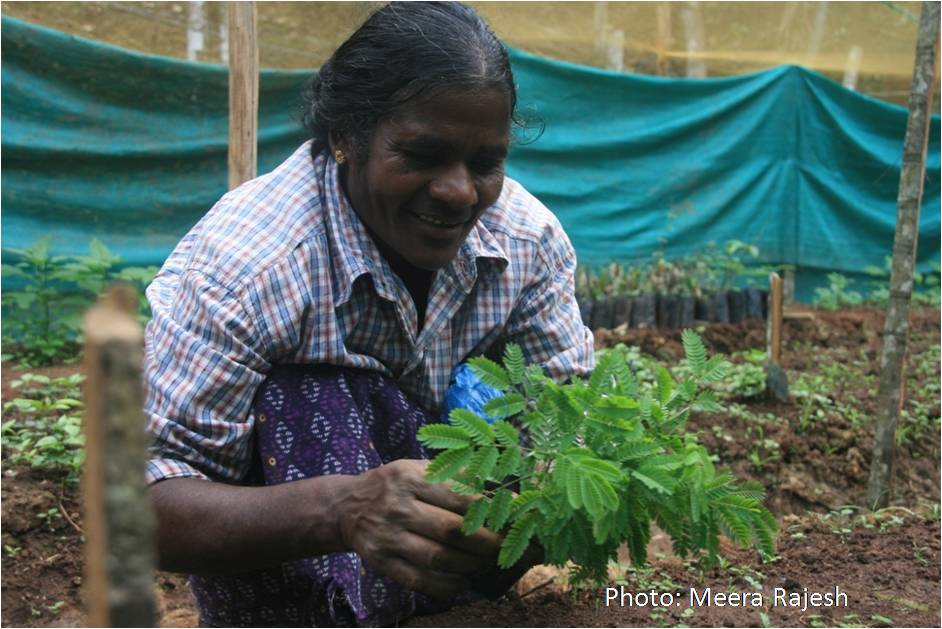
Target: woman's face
{"points": [[432, 169]]}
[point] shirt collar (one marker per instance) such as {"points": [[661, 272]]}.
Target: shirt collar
{"points": [[354, 253]]}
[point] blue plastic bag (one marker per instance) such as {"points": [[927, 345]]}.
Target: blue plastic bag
{"points": [[468, 392]]}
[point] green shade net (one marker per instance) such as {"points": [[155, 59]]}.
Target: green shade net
{"points": [[131, 148]]}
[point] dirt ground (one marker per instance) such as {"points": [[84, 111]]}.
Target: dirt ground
{"points": [[813, 465]]}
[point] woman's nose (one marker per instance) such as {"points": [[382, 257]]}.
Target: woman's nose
{"points": [[454, 186]]}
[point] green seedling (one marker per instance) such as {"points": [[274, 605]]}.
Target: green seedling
{"points": [[600, 462]]}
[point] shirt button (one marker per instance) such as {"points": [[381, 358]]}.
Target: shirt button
{"points": [[262, 418], [272, 461]]}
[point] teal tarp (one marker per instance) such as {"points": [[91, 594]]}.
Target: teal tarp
{"points": [[131, 148]]}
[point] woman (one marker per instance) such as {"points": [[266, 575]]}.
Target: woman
{"points": [[308, 325]]}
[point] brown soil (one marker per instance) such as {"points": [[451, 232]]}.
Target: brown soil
{"points": [[877, 570], [887, 564]]}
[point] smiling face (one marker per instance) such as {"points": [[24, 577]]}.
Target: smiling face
{"points": [[431, 170]]}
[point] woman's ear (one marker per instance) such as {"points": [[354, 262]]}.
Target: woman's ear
{"points": [[339, 148], [337, 143]]}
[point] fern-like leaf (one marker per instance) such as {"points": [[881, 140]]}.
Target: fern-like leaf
{"points": [[517, 540], [694, 351], [508, 463], [444, 437], [447, 464], [506, 434], [483, 462], [507, 405], [665, 385], [715, 370], [480, 431], [474, 517], [490, 372], [514, 363], [499, 510], [650, 483], [525, 501]]}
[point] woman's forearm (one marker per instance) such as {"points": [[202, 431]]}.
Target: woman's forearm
{"points": [[207, 527]]}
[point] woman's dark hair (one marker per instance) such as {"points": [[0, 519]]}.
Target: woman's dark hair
{"points": [[402, 50]]}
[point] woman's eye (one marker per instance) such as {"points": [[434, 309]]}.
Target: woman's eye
{"points": [[421, 160], [486, 166]]}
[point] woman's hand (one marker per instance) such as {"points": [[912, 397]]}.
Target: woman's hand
{"points": [[410, 530]]}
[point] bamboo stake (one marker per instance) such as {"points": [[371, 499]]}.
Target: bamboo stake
{"points": [[243, 93], [774, 324], [119, 521], [896, 329], [776, 380], [665, 41]]}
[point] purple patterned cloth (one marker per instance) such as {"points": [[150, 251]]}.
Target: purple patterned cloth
{"points": [[316, 420]]}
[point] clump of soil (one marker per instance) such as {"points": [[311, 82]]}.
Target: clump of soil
{"points": [[887, 564]]}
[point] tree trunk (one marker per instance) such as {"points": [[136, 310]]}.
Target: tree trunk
{"points": [[896, 330]]}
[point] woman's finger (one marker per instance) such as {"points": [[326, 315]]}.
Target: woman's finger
{"points": [[431, 555], [444, 526], [439, 585]]}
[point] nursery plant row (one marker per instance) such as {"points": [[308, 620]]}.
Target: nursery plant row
{"points": [[673, 311]]}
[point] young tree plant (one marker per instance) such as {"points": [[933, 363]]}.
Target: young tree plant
{"points": [[596, 462]]}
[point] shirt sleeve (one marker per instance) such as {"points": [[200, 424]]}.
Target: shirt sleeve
{"points": [[546, 322], [203, 367]]}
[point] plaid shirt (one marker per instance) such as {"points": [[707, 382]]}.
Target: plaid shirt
{"points": [[281, 270]]}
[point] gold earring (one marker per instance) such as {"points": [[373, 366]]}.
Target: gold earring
{"points": [[340, 157]]}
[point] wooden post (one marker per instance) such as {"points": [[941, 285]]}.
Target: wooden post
{"points": [[665, 40], [119, 520], [693, 32], [776, 380], [909, 200], [243, 93], [788, 288], [774, 324]]}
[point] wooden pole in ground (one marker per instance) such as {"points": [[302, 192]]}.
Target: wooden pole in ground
{"points": [[243, 93], [119, 521], [773, 330], [776, 380], [896, 329]]}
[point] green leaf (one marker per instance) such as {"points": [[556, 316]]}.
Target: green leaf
{"points": [[602, 528], [517, 540], [490, 372], [638, 450], [715, 370], [598, 496], [508, 463], [570, 479], [665, 385], [507, 405], [649, 482], [480, 431], [443, 437], [616, 407], [499, 510], [600, 468], [525, 501], [694, 351], [474, 517], [507, 435], [482, 465], [707, 403], [514, 363], [591, 497], [447, 464]]}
